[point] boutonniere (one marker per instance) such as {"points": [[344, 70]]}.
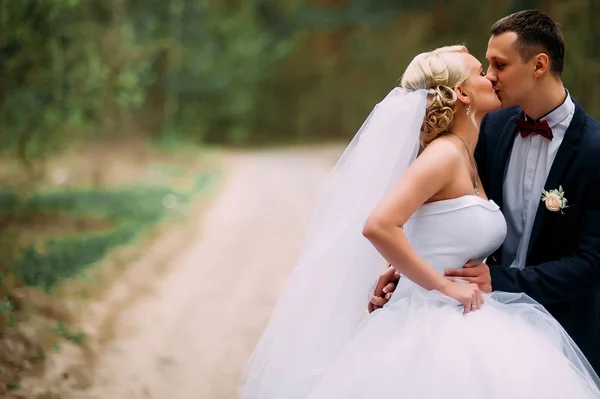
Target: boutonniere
{"points": [[554, 200]]}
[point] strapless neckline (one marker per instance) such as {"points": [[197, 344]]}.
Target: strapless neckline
{"points": [[452, 204]]}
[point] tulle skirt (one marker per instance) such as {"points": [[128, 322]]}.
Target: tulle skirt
{"points": [[421, 345]]}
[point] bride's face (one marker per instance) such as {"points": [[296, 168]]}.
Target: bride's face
{"points": [[486, 99]]}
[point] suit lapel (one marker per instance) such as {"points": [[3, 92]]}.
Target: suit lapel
{"points": [[565, 153], [500, 161]]}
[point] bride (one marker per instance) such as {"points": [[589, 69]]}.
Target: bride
{"points": [[436, 338]]}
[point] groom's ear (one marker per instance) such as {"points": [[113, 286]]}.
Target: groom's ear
{"points": [[541, 64]]}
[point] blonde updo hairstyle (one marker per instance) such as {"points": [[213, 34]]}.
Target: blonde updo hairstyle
{"points": [[438, 71]]}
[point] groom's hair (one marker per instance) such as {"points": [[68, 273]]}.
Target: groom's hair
{"points": [[536, 33]]}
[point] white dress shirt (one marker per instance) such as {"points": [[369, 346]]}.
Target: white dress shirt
{"points": [[530, 161]]}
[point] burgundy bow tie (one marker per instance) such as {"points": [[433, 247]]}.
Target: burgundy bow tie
{"points": [[527, 127]]}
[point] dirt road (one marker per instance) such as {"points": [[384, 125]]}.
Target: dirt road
{"points": [[190, 338]]}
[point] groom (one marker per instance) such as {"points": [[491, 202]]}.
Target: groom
{"points": [[542, 139]]}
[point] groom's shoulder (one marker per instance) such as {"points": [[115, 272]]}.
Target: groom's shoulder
{"points": [[589, 144], [589, 140], [591, 127]]}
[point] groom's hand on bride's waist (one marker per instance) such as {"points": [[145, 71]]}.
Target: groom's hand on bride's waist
{"points": [[384, 288], [473, 272]]}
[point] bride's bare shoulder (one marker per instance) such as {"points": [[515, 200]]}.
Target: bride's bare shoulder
{"points": [[443, 150]]}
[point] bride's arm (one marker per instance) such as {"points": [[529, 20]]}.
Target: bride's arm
{"points": [[434, 170]]}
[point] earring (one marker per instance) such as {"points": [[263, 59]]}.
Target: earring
{"points": [[469, 109]]}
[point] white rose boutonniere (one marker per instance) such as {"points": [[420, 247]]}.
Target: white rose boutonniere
{"points": [[555, 200]]}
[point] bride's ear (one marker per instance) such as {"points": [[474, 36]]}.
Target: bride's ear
{"points": [[462, 95]]}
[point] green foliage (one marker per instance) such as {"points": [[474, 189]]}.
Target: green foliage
{"points": [[234, 71], [65, 258], [8, 309], [8, 200], [13, 386], [46, 263], [223, 74], [78, 338]]}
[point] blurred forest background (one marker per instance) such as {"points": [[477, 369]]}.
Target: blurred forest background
{"points": [[84, 81], [232, 71]]}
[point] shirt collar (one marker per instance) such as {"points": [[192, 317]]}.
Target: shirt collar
{"points": [[560, 113]]}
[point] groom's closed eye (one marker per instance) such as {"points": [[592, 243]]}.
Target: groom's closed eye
{"points": [[496, 65]]}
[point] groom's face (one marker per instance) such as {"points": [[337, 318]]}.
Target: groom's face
{"points": [[511, 77]]}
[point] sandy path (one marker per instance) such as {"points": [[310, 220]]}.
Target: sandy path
{"points": [[191, 337]]}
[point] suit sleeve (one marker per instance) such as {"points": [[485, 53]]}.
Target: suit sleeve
{"points": [[565, 278]]}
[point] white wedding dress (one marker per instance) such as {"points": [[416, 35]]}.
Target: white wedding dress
{"points": [[421, 345], [319, 344]]}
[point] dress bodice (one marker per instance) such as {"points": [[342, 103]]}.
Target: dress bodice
{"points": [[448, 233]]}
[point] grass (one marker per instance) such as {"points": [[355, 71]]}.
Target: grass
{"points": [[45, 261], [13, 386], [78, 338], [90, 215], [8, 307]]}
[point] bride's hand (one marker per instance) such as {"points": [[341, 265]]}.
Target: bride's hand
{"points": [[468, 294]]}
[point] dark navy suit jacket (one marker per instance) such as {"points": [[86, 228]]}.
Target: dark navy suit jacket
{"points": [[563, 260]]}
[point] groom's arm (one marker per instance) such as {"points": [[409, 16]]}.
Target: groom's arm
{"points": [[565, 278]]}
